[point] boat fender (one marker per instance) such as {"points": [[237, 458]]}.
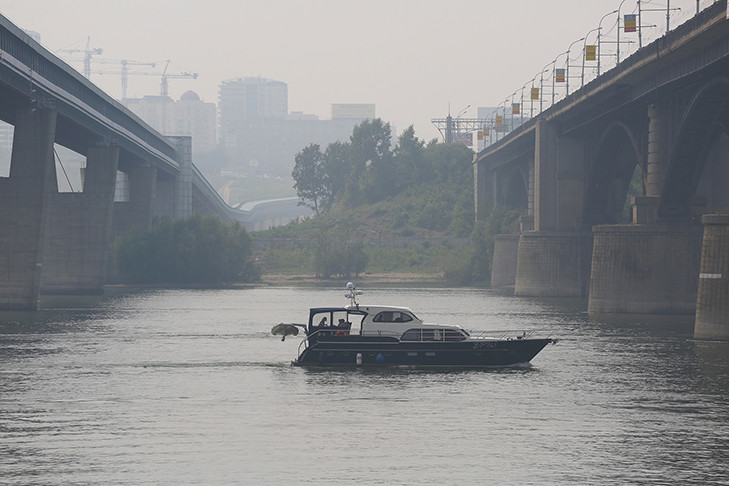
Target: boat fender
{"points": [[359, 359], [380, 358]]}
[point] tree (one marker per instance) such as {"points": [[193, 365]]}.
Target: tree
{"points": [[337, 166], [312, 182], [195, 250], [372, 174], [408, 156]]}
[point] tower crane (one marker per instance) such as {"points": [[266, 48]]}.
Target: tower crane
{"points": [[125, 63], [88, 52], [163, 74]]}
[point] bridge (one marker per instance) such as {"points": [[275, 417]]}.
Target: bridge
{"points": [[60, 242], [665, 110]]}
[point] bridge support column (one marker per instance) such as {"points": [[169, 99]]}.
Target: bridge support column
{"points": [[136, 214], [645, 208], [503, 269], [24, 200], [645, 269], [553, 264], [77, 243], [712, 304], [183, 180]]}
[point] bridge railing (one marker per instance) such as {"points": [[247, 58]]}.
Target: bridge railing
{"points": [[551, 85]]}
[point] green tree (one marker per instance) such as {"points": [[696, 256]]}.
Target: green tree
{"points": [[312, 182], [372, 175], [408, 157], [337, 166], [195, 250]]}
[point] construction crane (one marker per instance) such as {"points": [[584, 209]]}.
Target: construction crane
{"points": [[125, 63], [165, 77], [163, 74], [88, 52]]}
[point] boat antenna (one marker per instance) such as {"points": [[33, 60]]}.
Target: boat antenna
{"points": [[352, 294]]}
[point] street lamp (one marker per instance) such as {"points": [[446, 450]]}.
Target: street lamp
{"points": [[567, 67], [541, 84], [584, 54], [599, 35], [618, 35]]}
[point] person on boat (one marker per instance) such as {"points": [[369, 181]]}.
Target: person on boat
{"points": [[323, 322]]}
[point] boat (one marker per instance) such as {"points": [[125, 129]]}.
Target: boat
{"points": [[378, 335]]}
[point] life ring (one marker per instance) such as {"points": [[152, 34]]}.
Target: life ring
{"points": [[340, 333]]}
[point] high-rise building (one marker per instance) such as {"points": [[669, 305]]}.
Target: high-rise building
{"points": [[249, 99]]}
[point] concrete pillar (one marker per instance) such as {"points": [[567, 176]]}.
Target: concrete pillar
{"points": [[712, 303], [23, 209], [645, 208], [571, 176], [657, 150], [545, 176], [183, 180], [553, 264], [644, 269], [483, 183], [503, 268], [78, 233], [135, 215]]}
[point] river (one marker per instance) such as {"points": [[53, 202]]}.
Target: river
{"points": [[147, 386]]}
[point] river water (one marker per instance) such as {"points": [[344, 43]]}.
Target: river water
{"points": [[189, 387]]}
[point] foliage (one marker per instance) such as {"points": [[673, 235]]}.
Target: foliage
{"points": [[195, 250], [336, 254], [312, 185]]}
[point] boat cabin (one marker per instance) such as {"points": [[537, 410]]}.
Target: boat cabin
{"points": [[389, 321]]}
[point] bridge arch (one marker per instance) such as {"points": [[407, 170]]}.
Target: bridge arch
{"points": [[614, 163], [702, 141]]}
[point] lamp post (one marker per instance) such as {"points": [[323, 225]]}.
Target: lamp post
{"points": [[584, 54], [599, 35], [567, 67], [618, 34], [521, 103], [541, 85]]}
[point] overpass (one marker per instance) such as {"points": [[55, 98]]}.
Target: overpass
{"points": [[60, 242], [665, 110]]}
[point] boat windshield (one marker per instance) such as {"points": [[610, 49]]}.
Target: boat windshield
{"points": [[336, 319]]}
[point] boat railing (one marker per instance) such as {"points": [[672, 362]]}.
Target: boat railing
{"points": [[504, 335]]}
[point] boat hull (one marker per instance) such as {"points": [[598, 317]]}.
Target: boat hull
{"points": [[347, 351]]}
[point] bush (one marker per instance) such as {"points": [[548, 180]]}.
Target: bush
{"points": [[195, 250]]}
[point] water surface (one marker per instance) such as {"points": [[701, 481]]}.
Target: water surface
{"points": [[189, 387]]}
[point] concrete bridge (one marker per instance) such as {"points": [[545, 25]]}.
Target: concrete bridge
{"points": [[60, 242], [665, 109]]}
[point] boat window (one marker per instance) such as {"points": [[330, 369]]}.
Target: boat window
{"points": [[411, 335], [452, 335], [392, 316]]}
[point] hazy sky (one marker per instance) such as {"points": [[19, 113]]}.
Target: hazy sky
{"points": [[411, 58]]}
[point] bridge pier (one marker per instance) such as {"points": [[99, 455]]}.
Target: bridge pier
{"points": [[553, 264], [76, 248], [136, 213], [24, 202], [503, 267], [712, 303], [644, 269]]}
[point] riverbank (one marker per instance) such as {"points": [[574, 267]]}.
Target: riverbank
{"points": [[434, 279]]}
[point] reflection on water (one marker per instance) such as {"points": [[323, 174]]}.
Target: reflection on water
{"points": [[188, 386]]}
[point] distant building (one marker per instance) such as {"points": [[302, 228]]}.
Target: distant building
{"points": [[189, 116], [258, 135]]}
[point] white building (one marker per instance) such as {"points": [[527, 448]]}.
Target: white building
{"points": [[189, 116]]}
